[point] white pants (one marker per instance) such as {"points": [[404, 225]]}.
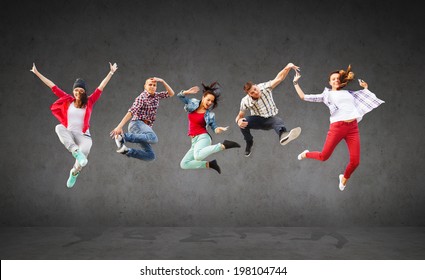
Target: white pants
{"points": [[74, 140]]}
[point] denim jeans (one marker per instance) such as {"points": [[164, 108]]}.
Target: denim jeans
{"points": [[257, 122], [200, 149], [139, 132]]}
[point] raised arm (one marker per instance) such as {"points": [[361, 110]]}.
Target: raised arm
{"points": [[48, 83], [167, 87], [297, 86], [283, 73], [105, 81], [182, 94]]}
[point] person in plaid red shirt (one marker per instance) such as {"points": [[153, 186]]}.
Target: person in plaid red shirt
{"points": [[142, 115], [346, 108]]}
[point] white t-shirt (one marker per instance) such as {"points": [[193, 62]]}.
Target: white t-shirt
{"points": [[347, 109], [76, 118]]}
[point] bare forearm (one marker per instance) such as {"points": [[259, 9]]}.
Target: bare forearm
{"points": [[105, 81], [46, 81], [168, 88], [239, 116], [125, 120], [299, 90]]}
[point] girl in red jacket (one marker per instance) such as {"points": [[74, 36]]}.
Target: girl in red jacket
{"points": [[73, 113]]}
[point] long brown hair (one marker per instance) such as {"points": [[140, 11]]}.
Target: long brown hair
{"points": [[345, 76]]}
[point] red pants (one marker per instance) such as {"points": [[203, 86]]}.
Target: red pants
{"points": [[349, 131]]}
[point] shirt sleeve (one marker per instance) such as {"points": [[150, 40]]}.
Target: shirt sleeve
{"points": [[137, 104], [267, 85], [58, 92], [163, 94], [314, 97], [244, 105], [95, 95]]}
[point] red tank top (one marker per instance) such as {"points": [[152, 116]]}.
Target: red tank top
{"points": [[197, 124]]}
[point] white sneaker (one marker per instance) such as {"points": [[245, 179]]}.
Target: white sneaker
{"points": [[119, 141], [302, 155], [293, 134], [123, 149], [341, 185]]}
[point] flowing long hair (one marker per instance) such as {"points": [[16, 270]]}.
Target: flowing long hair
{"points": [[345, 76]]}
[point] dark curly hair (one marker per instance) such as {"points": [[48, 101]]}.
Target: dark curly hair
{"points": [[214, 89], [345, 76]]}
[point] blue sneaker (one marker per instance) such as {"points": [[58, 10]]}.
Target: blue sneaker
{"points": [[81, 158], [72, 178]]}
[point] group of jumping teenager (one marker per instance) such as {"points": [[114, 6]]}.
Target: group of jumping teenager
{"points": [[346, 110]]}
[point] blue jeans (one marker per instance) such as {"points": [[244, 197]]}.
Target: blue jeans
{"points": [[139, 132], [257, 122]]}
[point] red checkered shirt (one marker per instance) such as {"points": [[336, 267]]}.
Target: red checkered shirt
{"points": [[145, 106]]}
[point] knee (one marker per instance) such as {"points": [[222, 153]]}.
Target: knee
{"points": [[59, 128], [151, 157], [153, 139], [183, 165], [324, 156], [355, 162]]}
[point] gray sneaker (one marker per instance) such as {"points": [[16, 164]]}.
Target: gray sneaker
{"points": [[287, 137]]}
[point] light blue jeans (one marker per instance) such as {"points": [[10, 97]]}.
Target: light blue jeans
{"points": [[200, 149], [139, 132]]}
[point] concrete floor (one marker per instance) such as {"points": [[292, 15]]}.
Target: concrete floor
{"points": [[189, 243]]}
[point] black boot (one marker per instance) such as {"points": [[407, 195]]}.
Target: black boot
{"points": [[249, 145], [230, 144], [213, 164]]}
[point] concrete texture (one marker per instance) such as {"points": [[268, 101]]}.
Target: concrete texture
{"points": [[207, 243], [186, 43]]}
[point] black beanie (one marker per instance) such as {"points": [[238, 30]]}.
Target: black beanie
{"points": [[80, 83]]}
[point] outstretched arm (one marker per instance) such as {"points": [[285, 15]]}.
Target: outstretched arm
{"points": [[118, 130], [167, 87], [48, 83], [105, 81], [297, 86], [282, 74]]}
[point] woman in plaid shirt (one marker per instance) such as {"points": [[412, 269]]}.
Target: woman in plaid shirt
{"points": [[346, 108], [200, 116]]}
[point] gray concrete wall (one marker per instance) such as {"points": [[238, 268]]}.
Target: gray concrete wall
{"points": [[189, 42]]}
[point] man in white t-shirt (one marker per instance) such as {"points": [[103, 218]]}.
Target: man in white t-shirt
{"points": [[259, 101]]}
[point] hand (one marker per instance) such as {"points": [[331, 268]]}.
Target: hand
{"points": [[192, 90], [117, 131], [220, 129], [297, 77], [156, 79], [292, 66], [34, 69], [113, 67], [242, 123], [363, 84]]}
